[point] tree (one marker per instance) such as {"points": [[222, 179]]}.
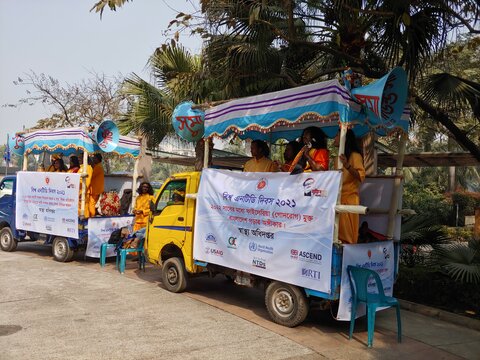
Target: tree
{"points": [[315, 39], [89, 101]]}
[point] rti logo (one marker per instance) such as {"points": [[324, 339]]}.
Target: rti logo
{"points": [[311, 274], [232, 242]]}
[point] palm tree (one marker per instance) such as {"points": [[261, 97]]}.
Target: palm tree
{"points": [[177, 76]]}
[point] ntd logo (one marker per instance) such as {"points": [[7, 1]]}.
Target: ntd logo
{"points": [[259, 263], [312, 274]]}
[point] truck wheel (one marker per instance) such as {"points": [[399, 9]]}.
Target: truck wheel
{"points": [[286, 304], [7, 241], [174, 276], [61, 250]]}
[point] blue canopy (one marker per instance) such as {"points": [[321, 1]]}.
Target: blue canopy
{"points": [[284, 114], [72, 140]]}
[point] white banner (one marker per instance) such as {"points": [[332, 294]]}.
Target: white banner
{"points": [[47, 203], [377, 256], [275, 225], [99, 231]]}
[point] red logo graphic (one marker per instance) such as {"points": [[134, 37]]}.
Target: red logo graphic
{"points": [[47, 180], [262, 184], [369, 254]]}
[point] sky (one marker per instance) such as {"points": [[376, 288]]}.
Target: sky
{"points": [[63, 39]]}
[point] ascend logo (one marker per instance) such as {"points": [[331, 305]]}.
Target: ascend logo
{"points": [[259, 263], [210, 238], [311, 274], [35, 217], [232, 242], [306, 256]]}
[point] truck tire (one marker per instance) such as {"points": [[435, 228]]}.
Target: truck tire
{"points": [[7, 241], [286, 304], [61, 250], [174, 275]]}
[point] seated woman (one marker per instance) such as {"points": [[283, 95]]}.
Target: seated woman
{"points": [[260, 162], [59, 165], [291, 150], [74, 164], [315, 149]]}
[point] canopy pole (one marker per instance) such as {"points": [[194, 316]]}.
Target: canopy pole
{"points": [[394, 207], [134, 182], [25, 161], [206, 153], [341, 150], [84, 183]]}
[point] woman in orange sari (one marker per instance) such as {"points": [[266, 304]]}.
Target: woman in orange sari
{"points": [[142, 205], [314, 149], [353, 174]]}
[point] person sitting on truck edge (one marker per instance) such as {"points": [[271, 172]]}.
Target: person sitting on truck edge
{"points": [[74, 164], [98, 183], [142, 205], [353, 173], [260, 162], [314, 149]]}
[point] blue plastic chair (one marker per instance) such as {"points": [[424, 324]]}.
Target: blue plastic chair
{"points": [[122, 257], [359, 278], [103, 252]]}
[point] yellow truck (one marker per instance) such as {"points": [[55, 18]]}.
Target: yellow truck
{"points": [[281, 230]]}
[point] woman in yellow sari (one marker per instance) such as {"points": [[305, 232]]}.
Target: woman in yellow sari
{"points": [[142, 205], [353, 173]]}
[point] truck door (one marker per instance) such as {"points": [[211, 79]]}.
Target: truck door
{"points": [[6, 200], [169, 221]]}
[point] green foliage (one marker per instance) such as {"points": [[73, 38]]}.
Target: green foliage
{"points": [[427, 198], [467, 203], [459, 260], [419, 233], [161, 171], [428, 286]]}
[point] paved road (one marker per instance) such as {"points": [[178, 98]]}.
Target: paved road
{"points": [[77, 310]]}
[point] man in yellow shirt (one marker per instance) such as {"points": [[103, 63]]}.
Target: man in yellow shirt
{"points": [[97, 184], [260, 161]]}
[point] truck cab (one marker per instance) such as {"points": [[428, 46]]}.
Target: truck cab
{"points": [[169, 240], [9, 234]]}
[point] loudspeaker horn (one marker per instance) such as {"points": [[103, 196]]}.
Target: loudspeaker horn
{"points": [[106, 135], [385, 98]]}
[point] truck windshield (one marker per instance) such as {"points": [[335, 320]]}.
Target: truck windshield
{"points": [[6, 188]]}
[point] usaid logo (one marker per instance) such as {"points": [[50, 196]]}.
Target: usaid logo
{"points": [[210, 238], [311, 274], [212, 251], [259, 263]]}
